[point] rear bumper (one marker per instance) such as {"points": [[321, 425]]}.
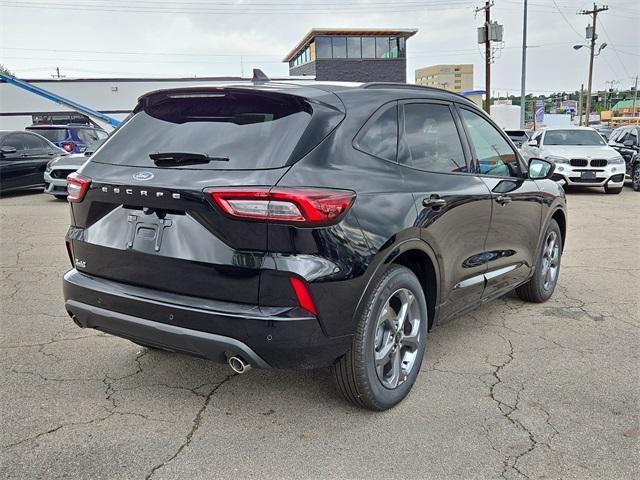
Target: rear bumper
{"points": [[280, 337]]}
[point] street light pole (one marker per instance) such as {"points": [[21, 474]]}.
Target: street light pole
{"points": [[524, 67]]}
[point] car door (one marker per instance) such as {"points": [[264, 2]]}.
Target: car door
{"points": [[37, 152], [454, 206], [13, 168], [629, 144], [512, 241]]}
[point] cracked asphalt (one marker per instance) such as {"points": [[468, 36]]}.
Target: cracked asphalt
{"points": [[512, 390]]}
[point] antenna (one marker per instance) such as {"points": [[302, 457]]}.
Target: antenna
{"points": [[259, 76]]}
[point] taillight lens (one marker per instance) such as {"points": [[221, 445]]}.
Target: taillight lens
{"points": [[68, 146], [308, 206], [77, 187]]}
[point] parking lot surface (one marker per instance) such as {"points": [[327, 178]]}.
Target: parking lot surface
{"points": [[512, 390]]}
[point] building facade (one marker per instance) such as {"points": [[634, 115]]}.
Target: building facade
{"points": [[348, 55], [455, 78]]}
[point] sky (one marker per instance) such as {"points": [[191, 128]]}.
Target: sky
{"points": [[172, 38]]}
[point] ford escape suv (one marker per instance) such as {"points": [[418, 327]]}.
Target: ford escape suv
{"points": [[307, 225]]}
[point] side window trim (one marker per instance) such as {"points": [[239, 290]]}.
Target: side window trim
{"points": [[402, 148], [476, 168]]}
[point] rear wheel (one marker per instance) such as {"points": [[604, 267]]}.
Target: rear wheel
{"points": [[541, 286], [635, 177], [387, 349], [61, 197]]}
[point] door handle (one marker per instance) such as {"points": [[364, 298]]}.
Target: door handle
{"points": [[503, 199], [434, 202]]}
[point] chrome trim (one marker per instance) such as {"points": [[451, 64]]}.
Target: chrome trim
{"points": [[501, 271]]}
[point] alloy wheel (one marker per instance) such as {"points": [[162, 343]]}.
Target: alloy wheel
{"points": [[398, 336], [550, 260]]}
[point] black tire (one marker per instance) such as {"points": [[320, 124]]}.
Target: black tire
{"points": [[537, 289], [355, 373], [635, 176], [61, 197], [612, 190]]}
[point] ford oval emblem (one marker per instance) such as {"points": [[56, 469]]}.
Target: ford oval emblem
{"points": [[142, 176]]}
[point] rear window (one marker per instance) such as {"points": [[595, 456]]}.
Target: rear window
{"points": [[252, 130], [51, 134]]}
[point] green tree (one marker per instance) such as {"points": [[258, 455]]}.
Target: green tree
{"points": [[5, 71]]}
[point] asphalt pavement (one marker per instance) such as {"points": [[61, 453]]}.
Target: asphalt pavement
{"points": [[512, 390]]}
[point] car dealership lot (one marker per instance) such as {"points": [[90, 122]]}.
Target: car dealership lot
{"points": [[512, 389]]}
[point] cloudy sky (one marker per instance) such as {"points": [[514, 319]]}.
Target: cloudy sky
{"points": [[102, 38]]}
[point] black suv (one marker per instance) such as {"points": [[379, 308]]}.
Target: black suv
{"points": [[307, 225], [626, 140]]}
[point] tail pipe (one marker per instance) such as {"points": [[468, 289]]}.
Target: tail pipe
{"points": [[237, 364]]}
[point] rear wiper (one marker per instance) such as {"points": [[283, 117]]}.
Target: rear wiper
{"points": [[183, 158]]}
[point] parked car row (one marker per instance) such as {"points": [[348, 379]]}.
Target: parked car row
{"points": [[45, 153], [584, 159]]}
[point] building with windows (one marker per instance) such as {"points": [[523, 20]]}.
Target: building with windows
{"points": [[455, 78], [353, 55]]}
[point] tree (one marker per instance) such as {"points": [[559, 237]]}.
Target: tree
{"points": [[5, 71]]}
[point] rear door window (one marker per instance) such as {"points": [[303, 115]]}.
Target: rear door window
{"points": [[431, 140], [251, 130]]}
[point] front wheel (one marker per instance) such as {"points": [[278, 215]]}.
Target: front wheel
{"points": [[388, 346], [540, 287], [635, 177], [612, 190]]}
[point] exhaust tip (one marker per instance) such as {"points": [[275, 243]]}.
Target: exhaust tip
{"points": [[238, 365]]}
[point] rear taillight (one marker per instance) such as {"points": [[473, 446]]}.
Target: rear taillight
{"points": [[302, 294], [77, 187], [307, 206], [68, 146]]}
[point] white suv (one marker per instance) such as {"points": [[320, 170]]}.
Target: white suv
{"points": [[581, 155]]}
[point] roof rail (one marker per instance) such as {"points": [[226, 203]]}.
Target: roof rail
{"points": [[405, 85]]}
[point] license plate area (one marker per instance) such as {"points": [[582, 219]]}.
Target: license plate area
{"points": [[588, 175]]}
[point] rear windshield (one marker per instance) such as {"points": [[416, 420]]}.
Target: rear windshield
{"points": [[573, 137], [250, 130], [51, 134]]}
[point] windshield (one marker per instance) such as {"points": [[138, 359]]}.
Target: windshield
{"points": [[251, 130], [573, 137], [51, 134]]}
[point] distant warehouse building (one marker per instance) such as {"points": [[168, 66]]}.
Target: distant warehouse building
{"points": [[455, 78], [353, 55]]}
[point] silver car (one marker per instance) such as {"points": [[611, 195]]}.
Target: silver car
{"points": [[55, 175]]}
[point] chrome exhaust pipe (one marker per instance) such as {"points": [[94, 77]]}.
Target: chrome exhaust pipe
{"points": [[238, 365]]}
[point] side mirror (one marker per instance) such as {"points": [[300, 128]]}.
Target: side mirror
{"points": [[8, 150], [533, 143], [540, 169], [628, 143]]}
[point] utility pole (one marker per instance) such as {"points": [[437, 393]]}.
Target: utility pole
{"points": [[523, 94], [57, 74], [487, 55], [594, 14], [490, 32]]}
